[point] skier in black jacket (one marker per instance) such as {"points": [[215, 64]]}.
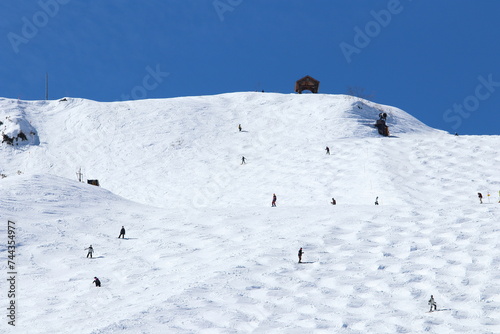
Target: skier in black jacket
{"points": [[97, 282], [122, 233], [300, 255]]}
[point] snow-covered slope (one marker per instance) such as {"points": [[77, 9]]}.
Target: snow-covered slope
{"points": [[209, 254], [187, 151]]}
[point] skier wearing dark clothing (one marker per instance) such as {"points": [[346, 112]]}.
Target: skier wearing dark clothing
{"points": [[239, 127], [300, 254], [376, 201], [122, 233], [91, 250], [97, 282], [334, 202], [274, 200], [432, 303], [243, 160], [327, 149], [480, 197]]}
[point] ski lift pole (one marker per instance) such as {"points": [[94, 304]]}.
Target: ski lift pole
{"points": [[79, 174]]}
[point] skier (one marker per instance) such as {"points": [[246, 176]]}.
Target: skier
{"points": [[243, 160], [239, 127], [97, 282], [300, 254], [91, 250], [480, 197], [432, 303], [122, 233], [334, 202], [274, 200], [327, 149], [376, 201]]}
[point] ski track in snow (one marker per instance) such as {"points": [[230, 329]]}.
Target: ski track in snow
{"points": [[225, 261]]}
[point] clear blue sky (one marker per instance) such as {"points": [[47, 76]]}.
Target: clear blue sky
{"points": [[437, 60]]}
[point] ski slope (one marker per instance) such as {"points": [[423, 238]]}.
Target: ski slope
{"points": [[205, 252]]}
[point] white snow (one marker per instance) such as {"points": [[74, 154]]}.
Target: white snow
{"points": [[205, 252]]}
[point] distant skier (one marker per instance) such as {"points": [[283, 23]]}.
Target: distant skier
{"points": [[243, 160], [274, 200], [480, 197], [376, 201], [334, 202], [300, 254], [97, 282], [91, 250], [432, 303], [239, 127], [122, 233], [327, 149]]}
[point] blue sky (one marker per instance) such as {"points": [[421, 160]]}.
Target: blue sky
{"points": [[437, 60]]}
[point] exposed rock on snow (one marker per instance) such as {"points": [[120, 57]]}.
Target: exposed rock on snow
{"points": [[16, 130]]}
